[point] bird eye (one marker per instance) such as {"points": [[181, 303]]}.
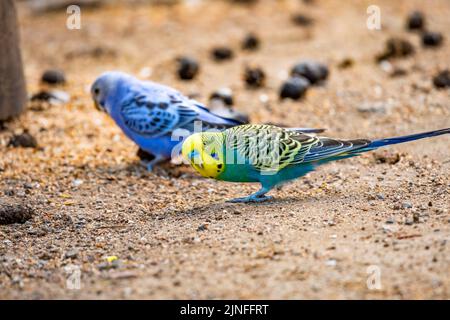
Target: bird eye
{"points": [[96, 91]]}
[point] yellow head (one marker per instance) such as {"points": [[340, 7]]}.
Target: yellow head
{"points": [[205, 153]]}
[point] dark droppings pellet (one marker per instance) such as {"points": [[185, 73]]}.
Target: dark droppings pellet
{"points": [[415, 21], [294, 88], [222, 53], [187, 68], [254, 77], [442, 79], [251, 42], [311, 70], [432, 39], [23, 140], [396, 48], [53, 77], [41, 96]]}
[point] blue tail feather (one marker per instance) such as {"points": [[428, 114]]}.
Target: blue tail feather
{"points": [[388, 141]]}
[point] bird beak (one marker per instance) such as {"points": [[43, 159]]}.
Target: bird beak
{"points": [[100, 106]]}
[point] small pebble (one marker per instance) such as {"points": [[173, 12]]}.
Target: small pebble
{"points": [[225, 95], [372, 107], [222, 53], [77, 182], [145, 73], [251, 42], [415, 21], [346, 63], [380, 196], [187, 68], [202, 227], [53, 77], [432, 39], [311, 70], [331, 262], [71, 254], [23, 140], [442, 79], [254, 77], [294, 88], [407, 205]]}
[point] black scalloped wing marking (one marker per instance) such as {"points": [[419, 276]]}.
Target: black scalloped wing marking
{"points": [[268, 147], [306, 141], [155, 119], [148, 118], [327, 147]]}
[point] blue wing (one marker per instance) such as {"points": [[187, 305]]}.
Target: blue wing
{"points": [[153, 110]]}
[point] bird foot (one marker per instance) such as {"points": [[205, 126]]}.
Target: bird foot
{"points": [[150, 165], [250, 199]]}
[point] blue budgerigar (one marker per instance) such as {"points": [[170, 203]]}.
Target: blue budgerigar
{"points": [[150, 113]]}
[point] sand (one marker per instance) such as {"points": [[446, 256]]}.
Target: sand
{"points": [[127, 233]]}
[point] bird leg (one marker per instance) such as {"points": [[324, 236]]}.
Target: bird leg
{"points": [[153, 162], [258, 196]]}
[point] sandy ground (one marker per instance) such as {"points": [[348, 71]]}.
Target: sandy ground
{"points": [[172, 232]]}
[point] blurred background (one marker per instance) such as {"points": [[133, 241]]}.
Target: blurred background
{"points": [[90, 203]]}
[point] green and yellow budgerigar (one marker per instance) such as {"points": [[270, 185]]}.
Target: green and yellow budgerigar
{"points": [[271, 155]]}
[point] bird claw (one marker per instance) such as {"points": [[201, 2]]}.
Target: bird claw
{"points": [[150, 165], [250, 199]]}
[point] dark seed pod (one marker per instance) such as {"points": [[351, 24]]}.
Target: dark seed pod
{"points": [[222, 53], [187, 68], [254, 77], [432, 39], [311, 70], [442, 79], [416, 21], [294, 88], [53, 77], [251, 42]]}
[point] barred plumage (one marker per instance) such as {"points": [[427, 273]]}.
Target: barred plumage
{"points": [[271, 155]]}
